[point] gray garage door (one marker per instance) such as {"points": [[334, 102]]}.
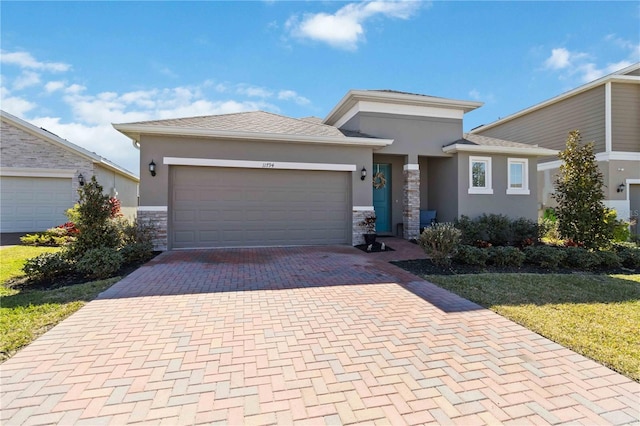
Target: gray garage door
{"points": [[227, 207], [31, 204]]}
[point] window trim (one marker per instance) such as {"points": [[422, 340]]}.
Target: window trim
{"points": [[488, 188], [525, 177]]}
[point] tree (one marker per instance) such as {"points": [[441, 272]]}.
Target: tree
{"points": [[579, 192]]}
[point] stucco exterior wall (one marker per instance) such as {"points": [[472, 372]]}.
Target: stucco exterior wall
{"points": [[443, 187], [127, 190], [625, 117]]}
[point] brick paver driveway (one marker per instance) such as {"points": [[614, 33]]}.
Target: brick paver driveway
{"points": [[310, 335]]}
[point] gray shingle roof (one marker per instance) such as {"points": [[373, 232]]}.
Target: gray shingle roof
{"points": [[473, 139], [253, 122]]}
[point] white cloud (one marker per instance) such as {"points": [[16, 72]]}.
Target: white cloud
{"points": [[53, 86], [344, 29], [26, 79], [26, 60], [290, 95], [253, 91], [559, 59], [16, 105]]}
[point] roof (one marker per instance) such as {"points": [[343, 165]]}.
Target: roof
{"points": [[480, 144], [620, 76], [65, 144], [254, 125], [396, 102]]}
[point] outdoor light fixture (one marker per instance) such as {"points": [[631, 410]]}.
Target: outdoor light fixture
{"points": [[152, 168], [363, 173], [620, 187], [81, 179]]}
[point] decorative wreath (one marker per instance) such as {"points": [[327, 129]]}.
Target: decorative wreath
{"points": [[379, 180]]}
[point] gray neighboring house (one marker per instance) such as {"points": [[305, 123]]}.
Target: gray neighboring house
{"points": [[39, 177], [262, 179], [605, 111]]}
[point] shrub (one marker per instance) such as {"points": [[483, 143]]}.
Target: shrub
{"points": [[545, 256], [629, 256], [136, 252], [619, 228], [506, 256], [497, 230], [100, 263], [581, 258], [47, 266], [609, 259], [440, 241], [470, 255], [471, 230], [524, 232]]}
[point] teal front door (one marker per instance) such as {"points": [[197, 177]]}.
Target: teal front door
{"points": [[382, 196]]}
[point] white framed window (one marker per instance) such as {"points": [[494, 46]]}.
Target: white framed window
{"points": [[480, 175], [518, 176]]}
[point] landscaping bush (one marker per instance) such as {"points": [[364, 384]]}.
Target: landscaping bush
{"points": [[47, 266], [545, 256], [100, 263], [53, 237], [441, 242], [470, 255], [471, 230], [581, 258], [609, 259], [629, 255], [506, 256], [497, 230]]}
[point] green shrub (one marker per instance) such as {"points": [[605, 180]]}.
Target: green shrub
{"points": [[506, 256], [471, 230], [53, 237], [524, 232], [47, 266], [441, 242], [619, 228], [609, 259], [581, 258], [470, 255], [629, 254], [545, 256], [100, 263], [136, 252], [497, 230]]}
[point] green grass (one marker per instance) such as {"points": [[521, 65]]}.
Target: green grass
{"points": [[27, 313], [594, 315]]}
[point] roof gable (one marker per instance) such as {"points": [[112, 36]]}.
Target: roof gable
{"points": [[478, 143]]}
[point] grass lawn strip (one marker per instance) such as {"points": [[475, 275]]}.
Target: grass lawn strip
{"points": [[12, 260], [594, 315]]}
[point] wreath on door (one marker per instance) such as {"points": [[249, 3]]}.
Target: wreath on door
{"points": [[379, 180]]}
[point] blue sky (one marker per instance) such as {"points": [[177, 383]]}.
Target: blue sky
{"points": [[74, 68]]}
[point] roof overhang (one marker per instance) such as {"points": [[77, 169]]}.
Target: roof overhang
{"points": [[135, 131], [397, 103], [532, 151], [617, 77], [65, 144]]}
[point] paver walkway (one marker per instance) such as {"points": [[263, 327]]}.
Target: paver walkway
{"points": [[299, 335]]}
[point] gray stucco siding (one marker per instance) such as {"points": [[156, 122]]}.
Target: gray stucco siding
{"points": [[549, 127], [443, 187], [625, 117], [127, 190]]}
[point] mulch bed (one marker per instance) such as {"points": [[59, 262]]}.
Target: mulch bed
{"points": [[427, 267]]}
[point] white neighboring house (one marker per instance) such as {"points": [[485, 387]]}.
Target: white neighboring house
{"points": [[40, 174]]}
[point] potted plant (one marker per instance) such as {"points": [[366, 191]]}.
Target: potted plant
{"points": [[369, 226]]}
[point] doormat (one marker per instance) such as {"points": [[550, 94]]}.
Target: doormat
{"points": [[375, 247]]}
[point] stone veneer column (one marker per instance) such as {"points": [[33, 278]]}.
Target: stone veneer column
{"points": [[411, 202], [156, 217], [359, 213]]}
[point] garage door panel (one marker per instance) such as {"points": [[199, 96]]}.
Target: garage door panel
{"points": [[254, 207]]}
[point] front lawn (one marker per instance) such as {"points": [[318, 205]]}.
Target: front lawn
{"points": [[27, 313], [594, 315]]}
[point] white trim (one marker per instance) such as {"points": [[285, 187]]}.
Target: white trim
{"points": [[36, 172], [243, 164], [600, 156], [487, 149], [363, 208], [135, 130], [525, 176], [488, 188], [153, 208], [411, 167], [411, 110], [608, 130]]}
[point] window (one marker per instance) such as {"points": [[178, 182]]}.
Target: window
{"points": [[518, 176], [480, 175]]}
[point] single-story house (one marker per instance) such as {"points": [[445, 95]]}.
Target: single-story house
{"points": [[40, 174], [260, 179]]}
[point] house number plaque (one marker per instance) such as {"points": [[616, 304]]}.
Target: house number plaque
{"points": [[268, 165]]}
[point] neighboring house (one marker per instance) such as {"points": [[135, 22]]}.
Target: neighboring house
{"points": [[258, 179], [605, 111], [40, 177]]}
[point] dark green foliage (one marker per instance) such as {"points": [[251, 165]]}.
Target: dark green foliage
{"points": [[497, 230], [136, 252], [524, 232], [470, 255], [579, 192], [506, 256], [629, 256], [609, 259], [545, 256], [47, 266], [581, 258], [100, 263], [440, 242]]}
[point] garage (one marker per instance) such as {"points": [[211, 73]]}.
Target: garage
{"points": [[31, 204], [247, 207]]}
